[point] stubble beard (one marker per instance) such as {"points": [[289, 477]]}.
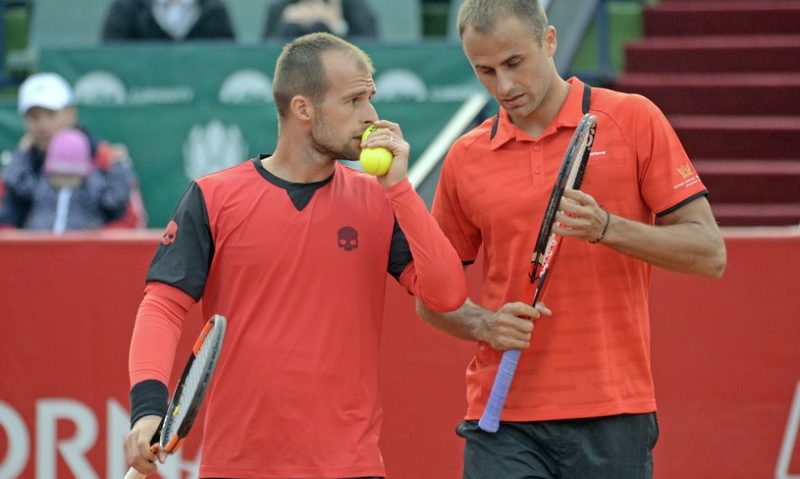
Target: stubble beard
{"points": [[320, 144]]}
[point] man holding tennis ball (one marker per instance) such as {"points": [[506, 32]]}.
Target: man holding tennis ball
{"points": [[377, 160], [294, 249]]}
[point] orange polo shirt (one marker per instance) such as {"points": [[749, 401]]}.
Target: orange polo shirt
{"points": [[592, 357]]}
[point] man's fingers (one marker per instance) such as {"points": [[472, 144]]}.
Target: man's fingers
{"points": [[578, 196], [146, 451], [391, 126], [512, 325], [513, 344], [543, 309], [520, 310]]}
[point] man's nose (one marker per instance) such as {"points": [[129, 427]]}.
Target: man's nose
{"points": [[370, 115], [504, 84]]}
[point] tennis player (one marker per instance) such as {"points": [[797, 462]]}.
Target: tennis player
{"points": [[294, 250], [581, 404]]}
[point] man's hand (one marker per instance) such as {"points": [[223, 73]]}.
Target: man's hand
{"points": [[390, 136], [511, 326], [138, 452], [580, 216]]}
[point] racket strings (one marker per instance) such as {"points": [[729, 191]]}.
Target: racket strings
{"points": [[199, 373]]}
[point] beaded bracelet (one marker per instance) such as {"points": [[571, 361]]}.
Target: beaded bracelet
{"points": [[605, 228]]}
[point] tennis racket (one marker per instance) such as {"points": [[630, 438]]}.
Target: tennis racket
{"points": [[570, 175], [190, 390]]}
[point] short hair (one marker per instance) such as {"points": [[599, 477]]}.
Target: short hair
{"points": [[300, 71], [482, 15]]}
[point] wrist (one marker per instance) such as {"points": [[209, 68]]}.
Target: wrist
{"points": [[396, 189], [476, 318], [605, 229]]}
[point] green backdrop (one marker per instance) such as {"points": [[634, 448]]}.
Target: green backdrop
{"points": [[167, 104]]}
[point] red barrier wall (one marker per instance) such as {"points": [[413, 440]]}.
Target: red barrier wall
{"points": [[726, 364]]}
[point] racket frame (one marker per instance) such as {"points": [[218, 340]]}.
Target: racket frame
{"points": [[570, 175], [170, 443]]}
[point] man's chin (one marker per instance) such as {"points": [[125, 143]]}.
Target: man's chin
{"points": [[349, 155]]}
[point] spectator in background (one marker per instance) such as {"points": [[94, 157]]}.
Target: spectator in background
{"points": [[45, 102], [344, 18], [72, 193], [167, 20]]}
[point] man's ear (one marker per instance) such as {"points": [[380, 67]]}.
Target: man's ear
{"points": [[550, 40], [301, 107]]}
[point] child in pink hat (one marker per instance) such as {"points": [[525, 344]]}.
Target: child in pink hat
{"points": [[68, 161], [72, 194]]}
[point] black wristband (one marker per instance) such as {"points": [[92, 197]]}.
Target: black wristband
{"points": [[605, 228], [148, 397]]}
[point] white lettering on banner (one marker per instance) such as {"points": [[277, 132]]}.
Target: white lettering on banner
{"points": [[789, 438], [100, 87], [118, 424], [246, 86], [73, 450], [160, 95], [18, 442], [400, 84], [213, 147]]}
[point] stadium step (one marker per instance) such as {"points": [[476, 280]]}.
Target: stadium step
{"points": [[731, 17], [754, 181], [707, 54], [745, 137], [717, 93], [727, 75], [755, 214]]}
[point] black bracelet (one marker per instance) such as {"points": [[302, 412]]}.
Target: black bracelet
{"points": [[605, 228]]}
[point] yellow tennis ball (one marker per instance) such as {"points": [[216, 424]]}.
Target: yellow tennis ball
{"points": [[375, 161]]}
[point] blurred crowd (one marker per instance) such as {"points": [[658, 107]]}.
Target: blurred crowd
{"points": [[61, 177]]}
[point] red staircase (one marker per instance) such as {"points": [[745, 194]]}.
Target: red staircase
{"points": [[727, 75]]}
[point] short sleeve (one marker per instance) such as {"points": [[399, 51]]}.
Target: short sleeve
{"points": [[184, 256], [448, 210], [666, 175]]}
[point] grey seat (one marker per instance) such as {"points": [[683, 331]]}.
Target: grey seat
{"points": [[399, 20]]}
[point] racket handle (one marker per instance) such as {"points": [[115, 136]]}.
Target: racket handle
{"points": [[134, 474], [490, 420]]}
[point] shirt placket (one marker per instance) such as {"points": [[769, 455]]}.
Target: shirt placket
{"points": [[537, 163]]}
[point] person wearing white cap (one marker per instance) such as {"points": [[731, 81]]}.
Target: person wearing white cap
{"points": [[46, 103]]}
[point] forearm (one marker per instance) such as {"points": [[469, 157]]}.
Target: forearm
{"points": [[437, 277], [693, 247], [687, 240], [158, 326], [159, 321], [463, 323]]}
